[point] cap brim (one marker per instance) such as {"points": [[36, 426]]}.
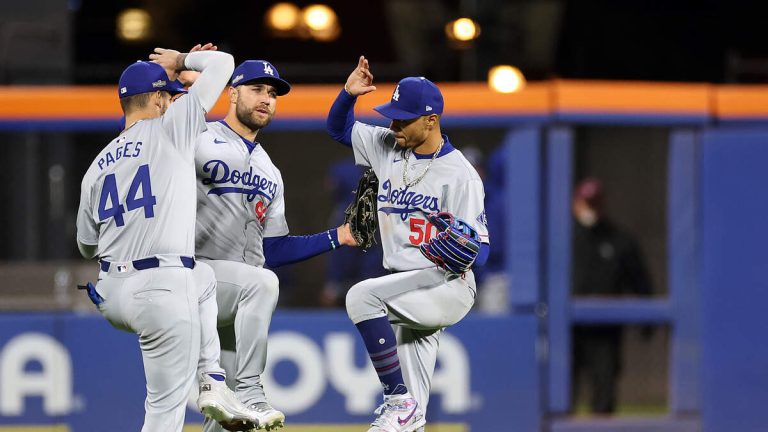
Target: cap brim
{"points": [[279, 84], [174, 88], [392, 113]]}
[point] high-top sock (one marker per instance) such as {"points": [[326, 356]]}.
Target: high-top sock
{"points": [[380, 341]]}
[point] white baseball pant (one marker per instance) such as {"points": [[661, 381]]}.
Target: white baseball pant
{"points": [[246, 296], [172, 309], [419, 304]]}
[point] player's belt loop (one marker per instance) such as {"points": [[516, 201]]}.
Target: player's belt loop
{"points": [[151, 262], [146, 263], [187, 262]]}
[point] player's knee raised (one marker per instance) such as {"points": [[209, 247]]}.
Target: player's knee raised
{"points": [[360, 299]]}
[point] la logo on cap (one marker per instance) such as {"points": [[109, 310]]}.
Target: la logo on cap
{"points": [[268, 69], [396, 94]]}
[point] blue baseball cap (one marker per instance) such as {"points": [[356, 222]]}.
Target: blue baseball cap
{"points": [[145, 77], [251, 70], [413, 97]]}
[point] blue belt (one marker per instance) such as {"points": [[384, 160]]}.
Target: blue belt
{"points": [[151, 262]]}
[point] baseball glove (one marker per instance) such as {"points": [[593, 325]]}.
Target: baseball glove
{"points": [[361, 213], [456, 245]]}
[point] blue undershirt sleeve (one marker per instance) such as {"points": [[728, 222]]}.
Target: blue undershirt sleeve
{"points": [[482, 256], [341, 118], [283, 250]]}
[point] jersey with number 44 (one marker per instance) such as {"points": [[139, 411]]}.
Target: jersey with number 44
{"points": [[450, 184], [137, 198]]}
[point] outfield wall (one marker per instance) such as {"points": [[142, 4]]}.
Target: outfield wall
{"points": [[75, 371]]}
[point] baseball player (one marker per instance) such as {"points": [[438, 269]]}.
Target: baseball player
{"points": [[137, 215], [400, 316], [241, 226]]}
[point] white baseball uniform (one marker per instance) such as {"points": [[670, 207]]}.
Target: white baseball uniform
{"points": [[240, 201], [419, 299], [137, 205]]}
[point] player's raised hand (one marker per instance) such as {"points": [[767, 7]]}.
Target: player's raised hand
{"points": [[207, 47], [360, 81], [171, 60], [187, 78]]}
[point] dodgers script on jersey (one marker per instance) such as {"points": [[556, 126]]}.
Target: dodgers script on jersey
{"points": [[240, 197], [451, 184], [119, 209]]}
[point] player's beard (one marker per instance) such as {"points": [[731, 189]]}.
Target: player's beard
{"points": [[246, 117]]}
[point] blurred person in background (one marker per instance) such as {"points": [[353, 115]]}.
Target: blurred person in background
{"points": [[493, 283], [607, 261]]}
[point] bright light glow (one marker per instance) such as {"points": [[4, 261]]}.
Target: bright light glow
{"points": [[283, 16], [464, 29], [134, 25], [319, 17], [328, 35], [506, 79]]}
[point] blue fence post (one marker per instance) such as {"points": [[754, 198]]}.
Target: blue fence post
{"points": [[558, 180], [683, 245], [523, 179]]}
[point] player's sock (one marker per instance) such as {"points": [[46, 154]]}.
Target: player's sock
{"points": [[380, 341]]}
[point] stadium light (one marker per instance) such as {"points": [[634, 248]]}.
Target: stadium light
{"points": [[134, 25], [283, 17], [506, 79], [319, 17], [462, 30], [322, 22]]}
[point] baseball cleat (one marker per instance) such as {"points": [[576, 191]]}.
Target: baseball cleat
{"points": [[269, 418], [218, 402], [398, 413]]}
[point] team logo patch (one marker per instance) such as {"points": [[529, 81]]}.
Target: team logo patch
{"points": [[158, 84], [261, 212], [268, 69], [396, 94], [483, 219]]}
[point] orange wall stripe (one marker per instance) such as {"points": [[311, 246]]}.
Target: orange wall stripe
{"points": [[539, 98], [628, 97], [741, 101]]}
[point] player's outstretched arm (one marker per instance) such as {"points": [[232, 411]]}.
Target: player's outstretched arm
{"points": [[282, 250], [341, 117]]}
